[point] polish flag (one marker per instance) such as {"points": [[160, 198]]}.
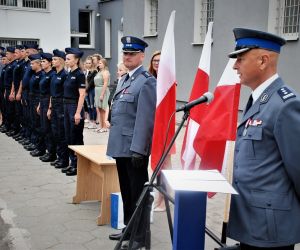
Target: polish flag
{"points": [[166, 96], [220, 122], [201, 82]]}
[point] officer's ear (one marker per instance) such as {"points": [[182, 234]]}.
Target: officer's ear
{"points": [[264, 61]]}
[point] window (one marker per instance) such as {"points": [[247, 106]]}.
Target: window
{"points": [[35, 4], [107, 38], [86, 25], [9, 2], [4, 42], [151, 13], [29, 4], [284, 18], [204, 13]]}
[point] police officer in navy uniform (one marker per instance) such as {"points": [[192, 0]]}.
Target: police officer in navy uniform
{"points": [[5, 63], [44, 85], [9, 95], [265, 214], [37, 137], [17, 89], [56, 109], [74, 94], [30, 49], [130, 137]]}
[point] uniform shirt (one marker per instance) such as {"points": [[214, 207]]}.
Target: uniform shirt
{"points": [[18, 73], [8, 76], [57, 84], [74, 81], [27, 75], [260, 89], [45, 82], [2, 77], [34, 83]]}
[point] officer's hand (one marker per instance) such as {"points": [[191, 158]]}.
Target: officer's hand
{"points": [[11, 97], [137, 160], [49, 114], [77, 118], [38, 109], [18, 97]]}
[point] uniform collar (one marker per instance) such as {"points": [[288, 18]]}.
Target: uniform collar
{"points": [[132, 71], [262, 87]]}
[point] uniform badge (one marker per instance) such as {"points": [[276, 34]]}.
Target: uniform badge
{"points": [[285, 93], [264, 98], [128, 39], [58, 78], [73, 77]]}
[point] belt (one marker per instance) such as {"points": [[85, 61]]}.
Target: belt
{"points": [[57, 99], [70, 101], [44, 96], [33, 95]]}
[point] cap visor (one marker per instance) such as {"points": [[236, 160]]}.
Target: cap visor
{"points": [[131, 50], [235, 53]]}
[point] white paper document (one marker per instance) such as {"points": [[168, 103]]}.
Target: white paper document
{"points": [[198, 180]]}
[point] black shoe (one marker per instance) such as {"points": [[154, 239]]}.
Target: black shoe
{"points": [[54, 162], [30, 147], [37, 153], [4, 130], [65, 170], [48, 158], [136, 245], [44, 156], [25, 142], [10, 133], [61, 165], [118, 236], [71, 172], [19, 138]]}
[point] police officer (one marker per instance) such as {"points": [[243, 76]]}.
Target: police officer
{"points": [[17, 89], [74, 94], [30, 49], [267, 153], [130, 137], [9, 94], [44, 85], [4, 62], [56, 109], [39, 146]]}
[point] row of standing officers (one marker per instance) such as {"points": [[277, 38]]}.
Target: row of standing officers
{"points": [[42, 104]]}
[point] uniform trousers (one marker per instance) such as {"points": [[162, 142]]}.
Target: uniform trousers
{"points": [[2, 105], [248, 247], [132, 182], [9, 111], [46, 125], [73, 132], [18, 115], [58, 130], [26, 114]]}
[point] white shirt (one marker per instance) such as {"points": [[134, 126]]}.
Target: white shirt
{"points": [[132, 71], [261, 88]]}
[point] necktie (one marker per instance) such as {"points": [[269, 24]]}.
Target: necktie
{"points": [[249, 103], [126, 78]]}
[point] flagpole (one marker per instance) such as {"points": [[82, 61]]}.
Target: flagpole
{"points": [[229, 170]]}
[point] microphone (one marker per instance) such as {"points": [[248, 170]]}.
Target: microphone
{"points": [[207, 97]]}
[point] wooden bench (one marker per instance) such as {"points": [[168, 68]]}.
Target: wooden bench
{"points": [[97, 178]]}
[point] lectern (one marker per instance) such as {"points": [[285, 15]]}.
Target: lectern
{"points": [[191, 187]]}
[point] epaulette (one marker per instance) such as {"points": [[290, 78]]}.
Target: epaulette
{"points": [[146, 74], [285, 93]]}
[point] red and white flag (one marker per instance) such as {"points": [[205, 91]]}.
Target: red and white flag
{"points": [[201, 82], [166, 96], [220, 122]]}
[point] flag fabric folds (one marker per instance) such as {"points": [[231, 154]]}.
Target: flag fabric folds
{"points": [[201, 82], [220, 121], [166, 96]]}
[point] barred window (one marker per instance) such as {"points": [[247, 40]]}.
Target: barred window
{"points": [[204, 13], [30, 4], [35, 4], [151, 14], [9, 2], [4, 42], [284, 18]]}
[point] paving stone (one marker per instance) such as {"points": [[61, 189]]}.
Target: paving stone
{"points": [[66, 246], [74, 237], [80, 225]]}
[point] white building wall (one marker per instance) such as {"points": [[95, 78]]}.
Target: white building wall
{"points": [[51, 27]]}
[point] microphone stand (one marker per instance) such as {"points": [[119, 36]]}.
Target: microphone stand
{"points": [[146, 199]]}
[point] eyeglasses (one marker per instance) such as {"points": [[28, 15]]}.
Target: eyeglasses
{"points": [[155, 61], [131, 53]]}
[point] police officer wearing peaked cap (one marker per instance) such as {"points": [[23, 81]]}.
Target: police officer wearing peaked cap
{"points": [[130, 136], [56, 109], [74, 94], [266, 170]]}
